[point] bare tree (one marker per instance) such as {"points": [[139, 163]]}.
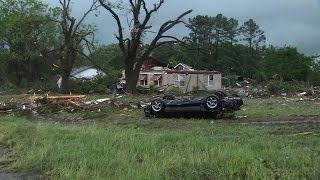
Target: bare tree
{"points": [[141, 16], [75, 34]]}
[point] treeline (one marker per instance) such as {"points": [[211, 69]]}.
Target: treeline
{"points": [[221, 43], [38, 43]]}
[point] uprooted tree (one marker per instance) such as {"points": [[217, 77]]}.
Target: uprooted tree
{"points": [[141, 15], [75, 34]]}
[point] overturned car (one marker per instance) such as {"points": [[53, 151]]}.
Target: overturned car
{"points": [[212, 106]]}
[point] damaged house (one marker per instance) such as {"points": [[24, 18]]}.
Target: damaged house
{"points": [[84, 73], [181, 76]]}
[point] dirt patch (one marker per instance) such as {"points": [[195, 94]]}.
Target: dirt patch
{"points": [[11, 176]]}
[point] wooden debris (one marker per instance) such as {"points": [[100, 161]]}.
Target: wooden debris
{"points": [[304, 133], [60, 97]]}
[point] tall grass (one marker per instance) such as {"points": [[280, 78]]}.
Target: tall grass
{"points": [[279, 107], [207, 151]]}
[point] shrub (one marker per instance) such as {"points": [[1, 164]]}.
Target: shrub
{"points": [[276, 87], [97, 85], [175, 91]]}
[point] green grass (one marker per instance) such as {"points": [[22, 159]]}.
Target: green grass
{"points": [[279, 107], [200, 150]]}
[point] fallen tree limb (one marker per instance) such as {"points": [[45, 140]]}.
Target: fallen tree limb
{"points": [[304, 133]]}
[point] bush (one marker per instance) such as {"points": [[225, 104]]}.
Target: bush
{"points": [[175, 91], [276, 87], [97, 85]]}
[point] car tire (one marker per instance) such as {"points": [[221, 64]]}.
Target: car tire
{"points": [[220, 94], [212, 103], [169, 97], [157, 106]]}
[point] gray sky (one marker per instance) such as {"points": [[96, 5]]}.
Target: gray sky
{"points": [[285, 22]]}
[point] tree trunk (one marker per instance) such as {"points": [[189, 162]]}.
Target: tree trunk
{"points": [[18, 73], [67, 65], [65, 82], [251, 47], [132, 71]]}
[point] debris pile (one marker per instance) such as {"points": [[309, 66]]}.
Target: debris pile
{"points": [[52, 104], [72, 103]]}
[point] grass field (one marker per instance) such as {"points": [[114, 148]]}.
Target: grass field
{"points": [[114, 144], [280, 107]]}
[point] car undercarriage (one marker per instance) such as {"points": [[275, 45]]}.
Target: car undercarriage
{"points": [[217, 105]]}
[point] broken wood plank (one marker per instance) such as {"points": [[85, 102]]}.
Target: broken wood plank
{"points": [[304, 133], [59, 97]]}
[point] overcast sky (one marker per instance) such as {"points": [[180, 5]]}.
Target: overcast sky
{"points": [[285, 22]]}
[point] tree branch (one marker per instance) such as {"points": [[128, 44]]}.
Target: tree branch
{"points": [[164, 28], [148, 14], [92, 8], [93, 62], [65, 7], [120, 31]]}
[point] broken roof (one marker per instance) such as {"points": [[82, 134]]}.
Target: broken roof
{"points": [[183, 65], [191, 72], [80, 69]]}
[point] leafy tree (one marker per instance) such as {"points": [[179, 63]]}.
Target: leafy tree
{"points": [[173, 54], [219, 32], [315, 71], [286, 64], [201, 28], [25, 31], [208, 35], [107, 58], [140, 25], [253, 35], [232, 31]]}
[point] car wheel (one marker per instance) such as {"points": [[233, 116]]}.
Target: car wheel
{"points": [[212, 103], [169, 97], [220, 94], [157, 105]]}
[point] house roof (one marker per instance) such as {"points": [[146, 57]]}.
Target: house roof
{"points": [[156, 77], [142, 77], [80, 69], [191, 72], [183, 65]]}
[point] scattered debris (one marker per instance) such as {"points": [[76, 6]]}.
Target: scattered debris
{"points": [[242, 93], [240, 117], [118, 88], [97, 101], [70, 103]]}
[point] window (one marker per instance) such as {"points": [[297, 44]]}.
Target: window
{"points": [[157, 79], [143, 80], [208, 80], [178, 80], [158, 83]]}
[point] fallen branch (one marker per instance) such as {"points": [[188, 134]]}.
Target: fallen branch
{"points": [[59, 97], [304, 133]]}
